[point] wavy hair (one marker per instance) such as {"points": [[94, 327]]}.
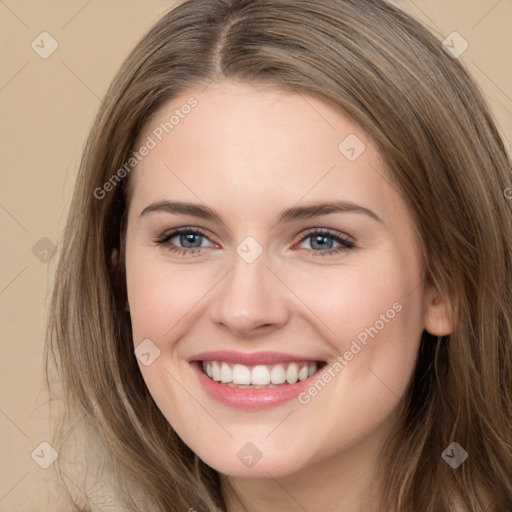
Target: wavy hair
{"points": [[383, 69]]}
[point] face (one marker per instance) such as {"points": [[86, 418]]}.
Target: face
{"points": [[274, 280]]}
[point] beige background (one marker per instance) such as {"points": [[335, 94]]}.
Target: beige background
{"points": [[46, 108]]}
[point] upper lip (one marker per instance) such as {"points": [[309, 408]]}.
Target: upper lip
{"points": [[250, 358]]}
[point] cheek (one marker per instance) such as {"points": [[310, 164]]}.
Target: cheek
{"points": [[372, 316], [354, 301], [161, 295]]}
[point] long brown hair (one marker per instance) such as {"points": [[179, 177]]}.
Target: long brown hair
{"points": [[377, 65]]}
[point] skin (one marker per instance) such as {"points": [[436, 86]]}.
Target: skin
{"points": [[249, 152]]}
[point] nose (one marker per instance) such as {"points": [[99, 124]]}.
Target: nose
{"points": [[250, 300]]}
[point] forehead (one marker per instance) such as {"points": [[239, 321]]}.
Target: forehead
{"points": [[247, 142]]}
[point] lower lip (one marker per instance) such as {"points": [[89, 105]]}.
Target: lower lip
{"points": [[251, 399]]}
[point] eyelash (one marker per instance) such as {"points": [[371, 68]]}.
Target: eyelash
{"points": [[164, 240]]}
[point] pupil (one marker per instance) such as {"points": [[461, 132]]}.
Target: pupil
{"points": [[322, 242], [189, 238]]}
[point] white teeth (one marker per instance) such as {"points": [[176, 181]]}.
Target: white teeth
{"points": [[216, 371], [226, 375], [241, 374], [277, 374], [259, 375], [303, 373], [292, 373]]}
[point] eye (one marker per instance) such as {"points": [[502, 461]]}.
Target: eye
{"points": [[322, 242], [184, 241], [189, 241]]}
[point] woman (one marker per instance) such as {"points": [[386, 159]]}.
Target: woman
{"points": [[337, 334]]}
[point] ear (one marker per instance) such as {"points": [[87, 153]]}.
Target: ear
{"points": [[438, 318]]}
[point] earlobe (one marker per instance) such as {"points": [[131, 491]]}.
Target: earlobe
{"points": [[438, 314]]}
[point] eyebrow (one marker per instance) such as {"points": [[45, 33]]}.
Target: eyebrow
{"points": [[288, 215]]}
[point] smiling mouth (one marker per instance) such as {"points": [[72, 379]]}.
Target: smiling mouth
{"points": [[259, 376]]}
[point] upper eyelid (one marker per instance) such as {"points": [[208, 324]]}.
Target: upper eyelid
{"points": [[185, 229]]}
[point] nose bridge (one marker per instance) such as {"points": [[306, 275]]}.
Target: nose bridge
{"points": [[250, 295]]}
